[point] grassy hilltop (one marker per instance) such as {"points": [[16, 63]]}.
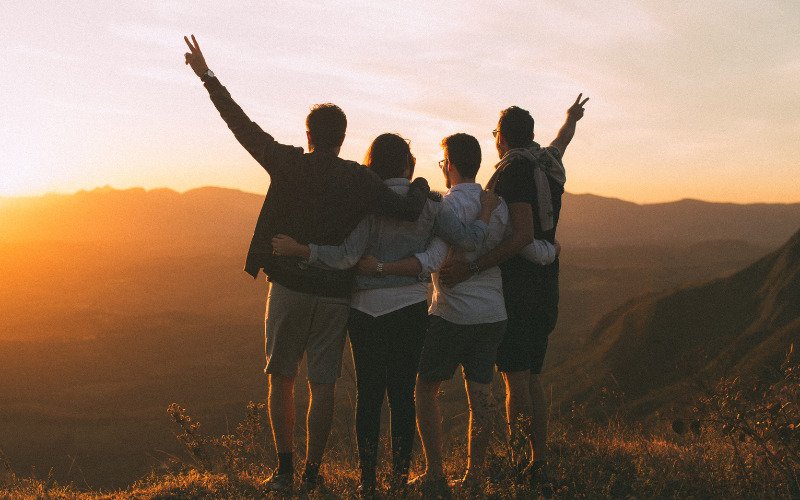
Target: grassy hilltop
{"points": [[117, 303], [740, 440]]}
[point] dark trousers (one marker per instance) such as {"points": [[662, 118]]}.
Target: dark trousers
{"points": [[386, 352]]}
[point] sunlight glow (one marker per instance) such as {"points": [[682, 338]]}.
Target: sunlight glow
{"points": [[696, 102]]}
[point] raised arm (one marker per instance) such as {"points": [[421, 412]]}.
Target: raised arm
{"points": [[267, 152], [574, 113]]}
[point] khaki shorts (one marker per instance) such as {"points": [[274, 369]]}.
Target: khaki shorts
{"points": [[298, 323]]}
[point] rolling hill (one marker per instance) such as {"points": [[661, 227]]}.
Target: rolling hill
{"points": [[662, 349]]}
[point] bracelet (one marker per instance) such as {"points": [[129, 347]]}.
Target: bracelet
{"points": [[379, 269]]}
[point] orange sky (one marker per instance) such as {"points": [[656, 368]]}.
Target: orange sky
{"points": [[697, 102]]}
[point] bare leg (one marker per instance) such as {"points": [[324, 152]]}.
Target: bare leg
{"points": [[281, 412], [429, 424], [318, 420], [479, 407], [519, 411], [539, 418]]}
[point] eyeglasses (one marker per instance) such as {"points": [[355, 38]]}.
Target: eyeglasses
{"points": [[442, 163], [494, 132]]}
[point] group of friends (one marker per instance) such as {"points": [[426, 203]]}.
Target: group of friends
{"points": [[351, 249]]}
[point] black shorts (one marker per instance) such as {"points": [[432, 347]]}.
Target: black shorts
{"points": [[448, 345], [531, 295]]}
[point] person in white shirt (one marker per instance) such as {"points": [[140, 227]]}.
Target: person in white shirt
{"points": [[466, 323]]}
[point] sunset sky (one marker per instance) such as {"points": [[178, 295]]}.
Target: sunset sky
{"points": [[688, 99]]}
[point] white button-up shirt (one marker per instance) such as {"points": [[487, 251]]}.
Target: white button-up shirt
{"points": [[480, 298]]}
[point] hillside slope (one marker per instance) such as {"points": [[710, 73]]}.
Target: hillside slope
{"points": [[662, 349]]}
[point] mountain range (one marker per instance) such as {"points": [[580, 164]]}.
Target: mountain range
{"points": [[223, 216]]}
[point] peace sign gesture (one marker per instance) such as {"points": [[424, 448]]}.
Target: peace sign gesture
{"points": [[575, 112], [195, 58]]}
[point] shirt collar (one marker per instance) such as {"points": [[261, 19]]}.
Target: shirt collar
{"points": [[533, 146], [466, 186]]}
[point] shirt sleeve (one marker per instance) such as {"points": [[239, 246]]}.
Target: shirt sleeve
{"points": [[433, 257], [518, 183], [274, 157], [346, 255], [553, 150], [540, 252], [449, 227]]}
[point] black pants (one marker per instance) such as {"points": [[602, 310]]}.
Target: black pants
{"points": [[386, 352]]}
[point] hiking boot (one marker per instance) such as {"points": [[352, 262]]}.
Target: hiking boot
{"points": [[281, 483], [431, 487]]}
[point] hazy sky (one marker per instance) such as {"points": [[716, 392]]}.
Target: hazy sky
{"points": [[688, 99]]}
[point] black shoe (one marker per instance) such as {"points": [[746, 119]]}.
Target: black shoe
{"points": [[309, 484], [280, 483], [431, 487]]}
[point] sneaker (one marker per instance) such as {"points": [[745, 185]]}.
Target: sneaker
{"points": [[309, 484], [280, 482], [431, 487]]}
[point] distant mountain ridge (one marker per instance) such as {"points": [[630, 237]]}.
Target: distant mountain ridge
{"points": [[658, 350], [220, 216]]}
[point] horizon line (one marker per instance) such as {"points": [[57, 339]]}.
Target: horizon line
{"points": [[109, 187]]}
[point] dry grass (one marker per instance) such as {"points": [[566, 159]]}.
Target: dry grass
{"points": [[742, 441]]}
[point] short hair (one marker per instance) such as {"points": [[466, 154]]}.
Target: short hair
{"points": [[463, 151], [389, 155], [516, 125], [326, 124]]}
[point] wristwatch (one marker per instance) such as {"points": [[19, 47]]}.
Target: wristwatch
{"points": [[473, 267], [379, 269], [207, 74]]}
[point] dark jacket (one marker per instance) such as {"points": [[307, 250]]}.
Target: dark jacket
{"points": [[313, 197]]}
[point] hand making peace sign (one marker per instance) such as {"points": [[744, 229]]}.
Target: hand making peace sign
{"points": [[575, 112], [195, 58]]}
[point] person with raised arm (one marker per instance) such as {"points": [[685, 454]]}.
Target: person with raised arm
{"points": [[530, 179], [315, 197]]}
